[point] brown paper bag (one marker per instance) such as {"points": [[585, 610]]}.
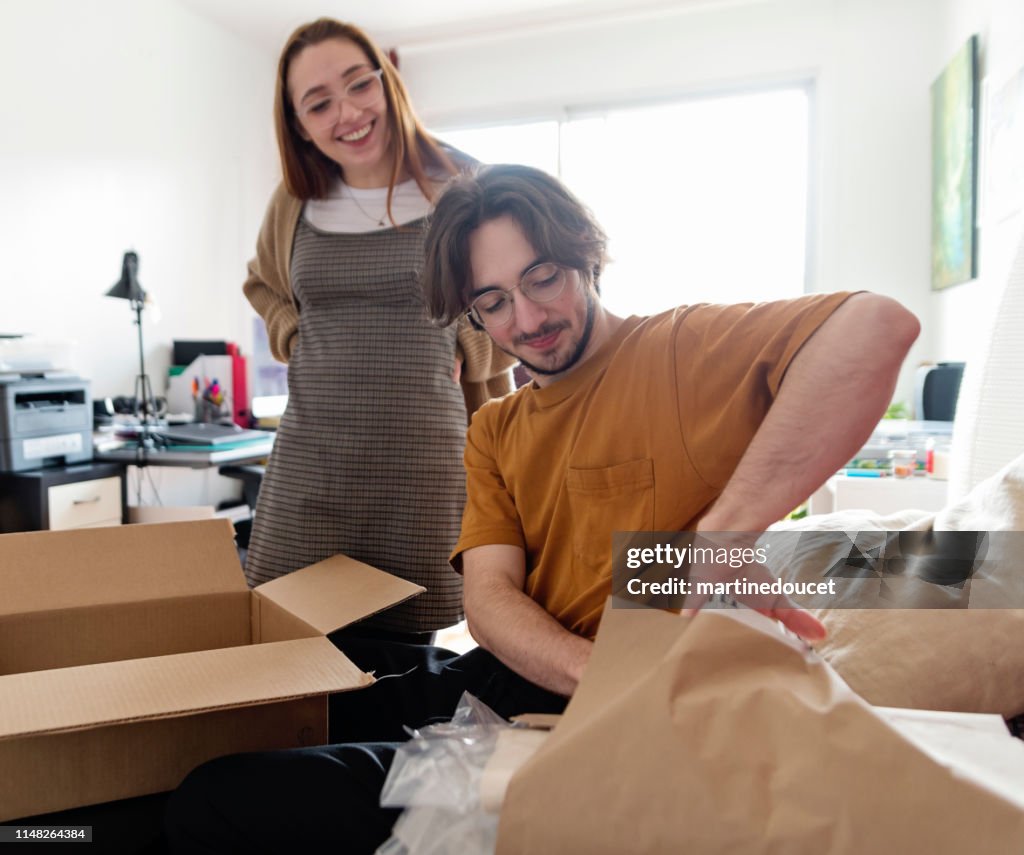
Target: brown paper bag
{"points": [[718, 734]]}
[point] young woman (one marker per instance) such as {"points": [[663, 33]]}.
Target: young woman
{"points": [[368, 457]]}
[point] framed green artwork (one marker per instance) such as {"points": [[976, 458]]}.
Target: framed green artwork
{"points": [[954, 169]]}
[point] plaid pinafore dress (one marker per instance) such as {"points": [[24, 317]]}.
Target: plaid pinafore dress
{"points": [[368, 457]]}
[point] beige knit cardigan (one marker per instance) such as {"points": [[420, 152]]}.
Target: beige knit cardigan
{"points": [[485, 369]]}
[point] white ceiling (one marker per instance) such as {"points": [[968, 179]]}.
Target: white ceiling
{"points": [[413, 23]]}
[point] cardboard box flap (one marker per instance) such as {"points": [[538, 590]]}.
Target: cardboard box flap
{"points": [[166, 686], [99, 566], [336, 592]]}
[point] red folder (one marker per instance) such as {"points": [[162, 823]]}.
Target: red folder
{"points": [[240, 413]]}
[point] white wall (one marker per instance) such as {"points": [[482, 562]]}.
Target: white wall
{"points": [[128, 125], [966, 308], [873, 62]]}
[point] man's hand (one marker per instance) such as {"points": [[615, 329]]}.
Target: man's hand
{"points": [[736, 544]]}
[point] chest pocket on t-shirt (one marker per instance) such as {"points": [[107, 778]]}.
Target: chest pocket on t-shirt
{"points": [[605, 500]]}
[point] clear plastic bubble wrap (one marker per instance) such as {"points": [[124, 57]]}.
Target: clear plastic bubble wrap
{"points": [[436, 776]]}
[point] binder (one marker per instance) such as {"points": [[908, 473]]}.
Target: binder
{"points": [[240, 411]]}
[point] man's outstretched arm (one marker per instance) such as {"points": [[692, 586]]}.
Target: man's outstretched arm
{"points": [[833, 395], [507, 623]]}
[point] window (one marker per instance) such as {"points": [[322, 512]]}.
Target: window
{"points": [[532, 144], [704, 200]]}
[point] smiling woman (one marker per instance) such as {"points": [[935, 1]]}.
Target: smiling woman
{"points": [[368, 458], [341, 109]]}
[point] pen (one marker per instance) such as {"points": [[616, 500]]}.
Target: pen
{"points": [[866, 473]]}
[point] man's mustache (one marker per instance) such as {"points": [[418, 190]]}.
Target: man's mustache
{"points": [[543, 332]]}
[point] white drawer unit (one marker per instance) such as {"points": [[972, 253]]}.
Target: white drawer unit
{"points": [[85, 504], [60, 497]]}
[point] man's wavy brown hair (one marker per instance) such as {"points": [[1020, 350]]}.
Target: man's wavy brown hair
{"points": [[558, 226]]}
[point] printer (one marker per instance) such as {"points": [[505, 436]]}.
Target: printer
{"points": [[45, 419]]}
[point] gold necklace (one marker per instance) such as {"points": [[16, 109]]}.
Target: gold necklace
{"points": [[378, 220]]}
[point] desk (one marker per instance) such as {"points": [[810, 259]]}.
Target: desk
{"points": [[190, 456], [184, 476]]}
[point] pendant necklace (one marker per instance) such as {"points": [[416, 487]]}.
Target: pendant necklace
{"points": [[378, 220]]}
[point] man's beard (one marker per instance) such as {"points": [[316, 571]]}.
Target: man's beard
{"points": [[576, 355]]}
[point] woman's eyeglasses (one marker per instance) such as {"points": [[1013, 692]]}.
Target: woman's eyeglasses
{"points": [[323, 111]]}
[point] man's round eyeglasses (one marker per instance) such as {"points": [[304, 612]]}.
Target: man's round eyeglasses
{"points": [[542, 283], [323, 111]]}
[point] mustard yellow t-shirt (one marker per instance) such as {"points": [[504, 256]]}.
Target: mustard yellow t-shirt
{"points": [[643, 436]]}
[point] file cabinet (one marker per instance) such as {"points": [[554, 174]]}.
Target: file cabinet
{"points": [[75, 496]]}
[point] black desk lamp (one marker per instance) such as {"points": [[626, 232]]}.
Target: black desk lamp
{"points": [[128, 288]]}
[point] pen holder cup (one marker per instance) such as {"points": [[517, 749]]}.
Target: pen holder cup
{"points": [[207, 411]]}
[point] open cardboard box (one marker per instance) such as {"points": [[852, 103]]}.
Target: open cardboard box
{"points": [[129, 655]]}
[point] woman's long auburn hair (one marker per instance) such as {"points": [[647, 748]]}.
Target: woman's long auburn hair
{"points": [[308, 172]]}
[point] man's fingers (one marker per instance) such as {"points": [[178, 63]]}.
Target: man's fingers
{"points": [[801, 623], [750, 583]]}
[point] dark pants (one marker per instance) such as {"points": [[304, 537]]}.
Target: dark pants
{"points": [[326, 799]]}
